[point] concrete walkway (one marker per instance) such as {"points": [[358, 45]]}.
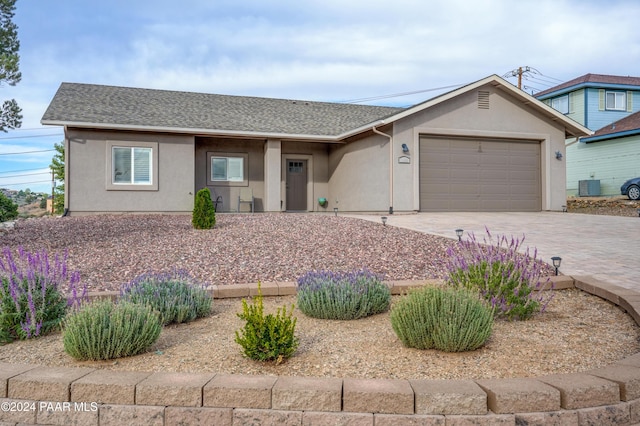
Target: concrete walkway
{"points": [[605, 247]]}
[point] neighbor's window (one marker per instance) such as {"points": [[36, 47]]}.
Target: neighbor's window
{"points": [[561, 104], [227, 169], [616, 100], [131, 165]]}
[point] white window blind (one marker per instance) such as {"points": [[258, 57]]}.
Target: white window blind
{"points": [[131, 165], [230, 169]]}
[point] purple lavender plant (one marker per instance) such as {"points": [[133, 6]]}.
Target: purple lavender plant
{"points": [[342, 295], [32, 301], [507, 277]]}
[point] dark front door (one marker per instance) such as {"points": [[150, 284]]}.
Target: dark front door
{"points": [[297, 185]]}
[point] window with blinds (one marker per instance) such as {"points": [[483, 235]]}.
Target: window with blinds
{"points": [[227, 169], [131, 165]]}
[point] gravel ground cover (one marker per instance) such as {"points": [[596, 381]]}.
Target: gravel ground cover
{"points": [[110, 250], [577, 333]]}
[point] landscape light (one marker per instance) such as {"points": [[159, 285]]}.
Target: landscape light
{"points": [[459, 233], [556, 262]]}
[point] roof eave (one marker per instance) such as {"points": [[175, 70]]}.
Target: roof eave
{"points": [[193, 131], [572, 128], [616, 135]]}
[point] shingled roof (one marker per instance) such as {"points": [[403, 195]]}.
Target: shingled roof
{"points": [[628, 126], [90, 105], [592, 80]]}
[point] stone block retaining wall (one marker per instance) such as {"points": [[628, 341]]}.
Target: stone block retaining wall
{"points": [[31, 394]]}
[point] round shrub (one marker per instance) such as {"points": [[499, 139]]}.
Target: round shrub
{"points": [[445, 319], [267, 337], [342, 295], [177, 296], [104, 330]]}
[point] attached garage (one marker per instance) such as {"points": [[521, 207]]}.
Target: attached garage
{"points": [[479, 174]]}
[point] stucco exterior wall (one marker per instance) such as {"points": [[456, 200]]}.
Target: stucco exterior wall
{"points": [[89, 177], [359, 175], [505, 118]]}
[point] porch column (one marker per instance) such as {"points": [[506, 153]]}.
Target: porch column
{"points": [[272, 173]]}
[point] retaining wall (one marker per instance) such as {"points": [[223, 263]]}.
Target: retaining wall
{"points": [[31, 394]]}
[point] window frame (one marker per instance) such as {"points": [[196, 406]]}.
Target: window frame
{"points": [[112, 185], [244, 181], [617, 94], [556, 101]]}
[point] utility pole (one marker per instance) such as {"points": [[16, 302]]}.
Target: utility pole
{"points": [[519, 72]]}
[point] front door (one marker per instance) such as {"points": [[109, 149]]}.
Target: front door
{"points": [[296, 185]]}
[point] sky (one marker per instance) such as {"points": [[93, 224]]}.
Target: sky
{"points": [[318, 50]]}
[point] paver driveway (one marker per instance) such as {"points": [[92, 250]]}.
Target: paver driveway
{"points": [[605, 247]]}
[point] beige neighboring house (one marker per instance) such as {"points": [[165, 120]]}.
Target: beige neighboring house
{"points": [[487, 146]]}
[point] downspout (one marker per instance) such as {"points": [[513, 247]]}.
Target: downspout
{"points": [[390, 164]]}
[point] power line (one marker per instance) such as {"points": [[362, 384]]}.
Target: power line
{"points": [[34, 136], [25, 174], [25, 183], [22, 170], [26, 152], [396, 95]]}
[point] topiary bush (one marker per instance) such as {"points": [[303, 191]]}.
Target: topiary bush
{"points": [[509, 280], [105, 330], [342, 295], [267, 337], [446, 319], [177, 296], [204, 213], [32, 302]]}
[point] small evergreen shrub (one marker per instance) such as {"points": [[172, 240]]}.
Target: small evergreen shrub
{"points": [[105, 330], [342, 295], [509, 280], [204, 213], [446, 319], [32, 302], [177, 296], [8, 209], [267, 338]]}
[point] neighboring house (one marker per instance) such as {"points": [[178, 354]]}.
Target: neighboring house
{"points": [[608, 105], [486, 146]]}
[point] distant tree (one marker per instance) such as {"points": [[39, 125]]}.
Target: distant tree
{"points": [[10, 117], [8, 209], [57, 168]]}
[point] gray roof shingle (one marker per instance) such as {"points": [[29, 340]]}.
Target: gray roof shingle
{"points": [[90, 104]]}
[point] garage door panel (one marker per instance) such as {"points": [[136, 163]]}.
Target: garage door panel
{"points": [[464, 174]]}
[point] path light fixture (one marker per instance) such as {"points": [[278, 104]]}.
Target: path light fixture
{"points": [[335, 211], [459, 233], [638, 212], [556, 262], [384, 220]]}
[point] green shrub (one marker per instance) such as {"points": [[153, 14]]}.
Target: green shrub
{"points": [[267, 338], [204, 213], [31, 301], [342, 295], [497, 270], [176, 296], [105, 330], [8, 209], [445, 319]]}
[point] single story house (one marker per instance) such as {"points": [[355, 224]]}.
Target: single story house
{"points": [[487, 146]]}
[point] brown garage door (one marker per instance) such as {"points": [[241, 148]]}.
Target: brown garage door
{"points": [[475, 174]]}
